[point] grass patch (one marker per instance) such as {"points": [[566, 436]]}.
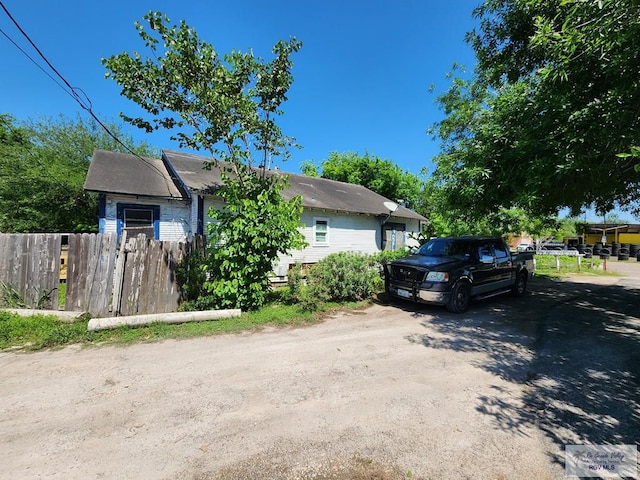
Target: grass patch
{"points": [[62, 294], [546, 266], [38, 332]]}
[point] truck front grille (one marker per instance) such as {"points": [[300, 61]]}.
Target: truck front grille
{"points": [[407, 274]]}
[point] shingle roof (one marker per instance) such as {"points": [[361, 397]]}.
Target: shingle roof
{"points": [[177, 174], [315, 192], [111, 172]]}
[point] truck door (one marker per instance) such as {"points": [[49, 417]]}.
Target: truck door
{"points": [[504, 265], [484, 272]]}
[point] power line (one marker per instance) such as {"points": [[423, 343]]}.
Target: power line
{"points": [[24, 34], [73, 91], [34, 62]]}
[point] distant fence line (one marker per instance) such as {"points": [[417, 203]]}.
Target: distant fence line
{"points": [[102, 278]]}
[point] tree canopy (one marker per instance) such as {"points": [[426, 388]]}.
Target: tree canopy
{"points": [[228, 106], [224, 104], [551, 116], [43, 165]]}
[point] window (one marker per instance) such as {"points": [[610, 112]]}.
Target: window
{"points": [[139, 217], [134, 217], [321, 231], [499, 248]]}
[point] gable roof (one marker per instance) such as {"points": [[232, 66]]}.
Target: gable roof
{"points": [[111, 172], [178, 174], [316, 192]]}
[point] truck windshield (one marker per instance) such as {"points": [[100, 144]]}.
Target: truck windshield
{"points": [[446, 247]]}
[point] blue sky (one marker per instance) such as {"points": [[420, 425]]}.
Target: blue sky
{"points": [[361, 77]]}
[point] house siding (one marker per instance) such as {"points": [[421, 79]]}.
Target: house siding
{"points": [[210, 202], [175, 216], [352, 233], [347, 232]]}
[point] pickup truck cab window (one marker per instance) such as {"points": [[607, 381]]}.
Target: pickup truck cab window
{"points": [[500, 250]]}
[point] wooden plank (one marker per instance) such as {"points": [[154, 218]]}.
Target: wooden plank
{"points": [[49, 270], [12, 248], [119, 276], [72, 301], [132, 276], [90, 273], [107, 262], [101, 251], [149, 263]]}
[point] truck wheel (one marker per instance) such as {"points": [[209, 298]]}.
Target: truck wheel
{"points": [[460, 298], [520, 286]]}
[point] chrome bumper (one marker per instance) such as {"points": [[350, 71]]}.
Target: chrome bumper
{"points": [[438, 298], [422, 296]]}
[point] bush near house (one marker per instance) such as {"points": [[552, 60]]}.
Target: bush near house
{"points": [[343, 277]]}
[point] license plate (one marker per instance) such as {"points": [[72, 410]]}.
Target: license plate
{"points": [[404, 293]]}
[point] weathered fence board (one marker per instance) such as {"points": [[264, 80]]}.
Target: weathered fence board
{"points": [[30, 267], [90, 267], [144, 283], [149, 277]]}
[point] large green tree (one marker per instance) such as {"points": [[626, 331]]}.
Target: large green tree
{"points": [[551, 116], [381, 176], [43, 165], [445, 220], [228, 106]]}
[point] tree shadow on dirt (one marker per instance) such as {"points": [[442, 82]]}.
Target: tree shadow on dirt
{"points": [[574, 348]]}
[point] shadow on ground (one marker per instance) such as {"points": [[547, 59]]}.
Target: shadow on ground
{"points": [[574, 348]]}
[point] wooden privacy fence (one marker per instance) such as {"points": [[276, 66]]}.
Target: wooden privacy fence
{"points": [[30, 269], [138, 277], [145, 276]]}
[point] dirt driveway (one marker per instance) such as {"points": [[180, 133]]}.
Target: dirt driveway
{"points": [[392, 392]]}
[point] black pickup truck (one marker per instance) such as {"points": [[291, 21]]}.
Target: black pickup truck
{"points": [[451, 271]]}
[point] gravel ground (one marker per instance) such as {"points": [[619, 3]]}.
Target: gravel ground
{"points": [[391, 392]]}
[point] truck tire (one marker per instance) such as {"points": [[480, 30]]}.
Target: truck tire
{"points": [[460, 298], [520, 287]]}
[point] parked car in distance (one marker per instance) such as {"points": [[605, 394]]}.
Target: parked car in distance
{"points": [[454, 270]]}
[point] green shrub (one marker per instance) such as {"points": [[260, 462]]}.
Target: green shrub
{"points": [[191, 276], [295, 284], [342, 277]]}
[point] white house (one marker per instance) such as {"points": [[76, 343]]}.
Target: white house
{"points": [[171, 196]]}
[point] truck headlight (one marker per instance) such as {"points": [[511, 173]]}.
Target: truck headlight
{"points": [[437, 277]]}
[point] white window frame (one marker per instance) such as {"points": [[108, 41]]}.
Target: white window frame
{"points": [[317, 243]]}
